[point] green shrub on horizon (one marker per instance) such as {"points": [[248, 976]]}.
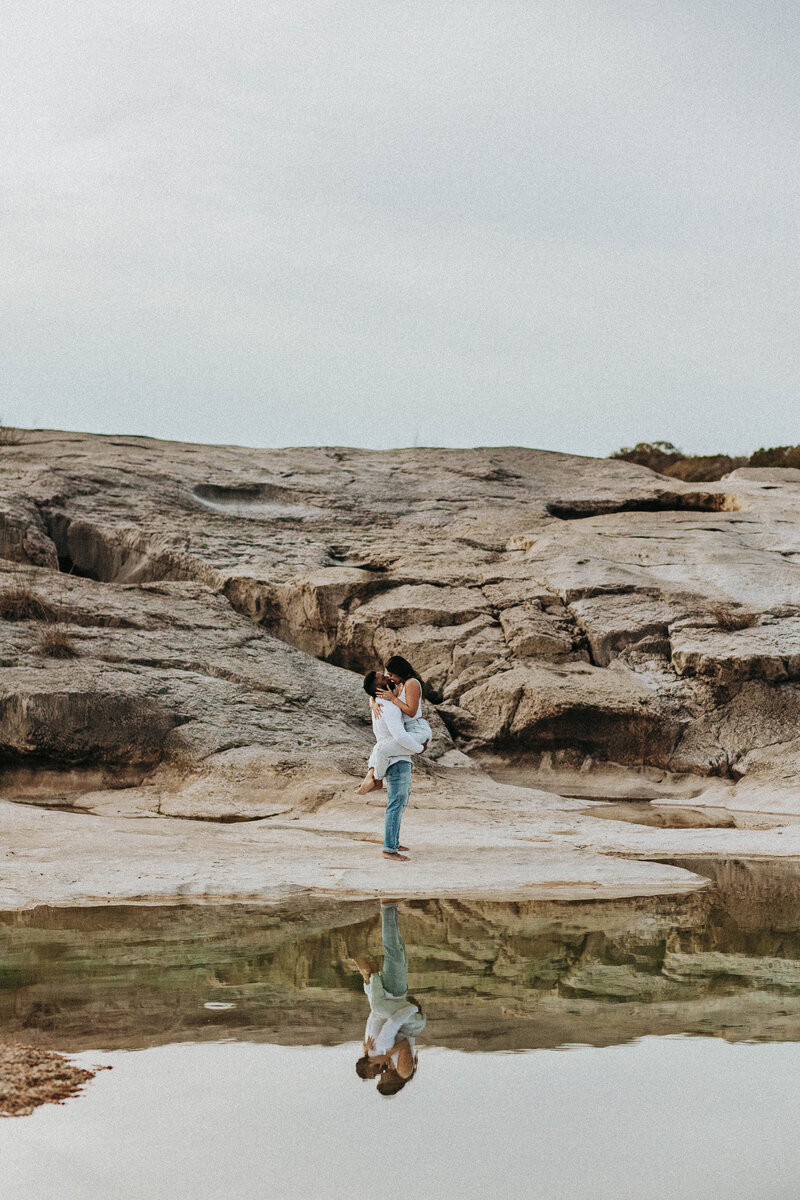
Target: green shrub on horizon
{"points": [[667, 459], [776, 456]]}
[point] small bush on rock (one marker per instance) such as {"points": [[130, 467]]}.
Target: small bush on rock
{"points": [[55, 641], [19, 602], [776, 456], [669, 460]]}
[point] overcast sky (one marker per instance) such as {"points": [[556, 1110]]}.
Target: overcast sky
{"points": [[561, 223]]}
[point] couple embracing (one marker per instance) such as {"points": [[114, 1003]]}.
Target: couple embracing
{"points": [[395, 698]]}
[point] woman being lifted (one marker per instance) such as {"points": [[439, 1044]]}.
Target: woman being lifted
{"points": [[406, 694]]}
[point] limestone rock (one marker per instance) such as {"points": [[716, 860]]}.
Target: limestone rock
{"points": [[169, 676], [532, 633], [574, 704], [221, 599], [768, 651], [61, 719], [616, 621], [30, 1076]]}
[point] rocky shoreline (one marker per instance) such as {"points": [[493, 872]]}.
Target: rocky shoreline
{"points": [[30, 1076]]}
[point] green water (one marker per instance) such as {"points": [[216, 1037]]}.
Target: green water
{"points": [[494, 976]]}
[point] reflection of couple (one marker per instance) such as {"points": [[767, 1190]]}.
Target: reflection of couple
{"points": [[395, 1018], [400, 731]]}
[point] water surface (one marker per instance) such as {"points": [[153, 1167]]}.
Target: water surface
{"points": [[635, 1048], [659, 1119]]}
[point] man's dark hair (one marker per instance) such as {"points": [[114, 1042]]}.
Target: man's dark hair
{"points": [[367, 1068], [370, 686]]}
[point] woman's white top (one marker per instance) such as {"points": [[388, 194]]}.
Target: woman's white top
{"points": [[402, 697]]}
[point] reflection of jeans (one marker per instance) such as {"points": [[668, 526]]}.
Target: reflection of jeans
{"points": [[398, 789], [394, 974]]}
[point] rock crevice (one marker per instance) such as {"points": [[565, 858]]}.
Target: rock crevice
{"points": [[548, 601]]}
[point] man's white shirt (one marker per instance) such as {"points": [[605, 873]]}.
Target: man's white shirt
{"points": [[390, 725], [390, 1017]]}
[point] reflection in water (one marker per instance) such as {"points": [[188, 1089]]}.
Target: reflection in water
{"points": [[487, 976], [395, 1018], [643, 812]]}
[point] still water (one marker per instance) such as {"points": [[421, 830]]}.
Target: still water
{"points": [[628, 1049]]}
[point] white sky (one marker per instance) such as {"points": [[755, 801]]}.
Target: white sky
{"points": [[659, 1119], [563, 223]]}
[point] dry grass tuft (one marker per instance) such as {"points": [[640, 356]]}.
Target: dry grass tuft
{"points": [[55, 641], [733, 618], [19, 602], [9, 436]]}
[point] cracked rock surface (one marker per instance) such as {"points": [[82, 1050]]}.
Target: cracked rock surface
{"points": [[218, 601]]}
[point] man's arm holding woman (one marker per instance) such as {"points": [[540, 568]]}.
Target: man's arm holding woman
{"points": [[397, 730]]}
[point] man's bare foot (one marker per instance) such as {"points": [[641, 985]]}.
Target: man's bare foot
{"points": [[395, 855], [405, 849]]}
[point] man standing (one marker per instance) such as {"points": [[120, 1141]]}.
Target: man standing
{"points": [[387, 722]]}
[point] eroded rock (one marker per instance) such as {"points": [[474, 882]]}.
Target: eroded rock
{"points": [[220, 599], [769, 650]]}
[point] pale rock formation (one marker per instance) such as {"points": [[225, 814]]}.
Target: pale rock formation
{"points": [[220, 600]]}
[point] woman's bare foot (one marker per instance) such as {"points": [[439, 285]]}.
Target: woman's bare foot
{"points": [[365, 968], [395, 855], [370, 784]]}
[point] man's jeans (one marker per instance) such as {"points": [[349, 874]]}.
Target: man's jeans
{"points": [[398, 789], [394, 973]]}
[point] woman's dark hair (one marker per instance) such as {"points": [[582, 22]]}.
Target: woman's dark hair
{"points": [[391, 1082], [413, 1000], [402, 667]]}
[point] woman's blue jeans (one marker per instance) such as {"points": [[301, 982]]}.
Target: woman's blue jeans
{"points": [[397, 782]]}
